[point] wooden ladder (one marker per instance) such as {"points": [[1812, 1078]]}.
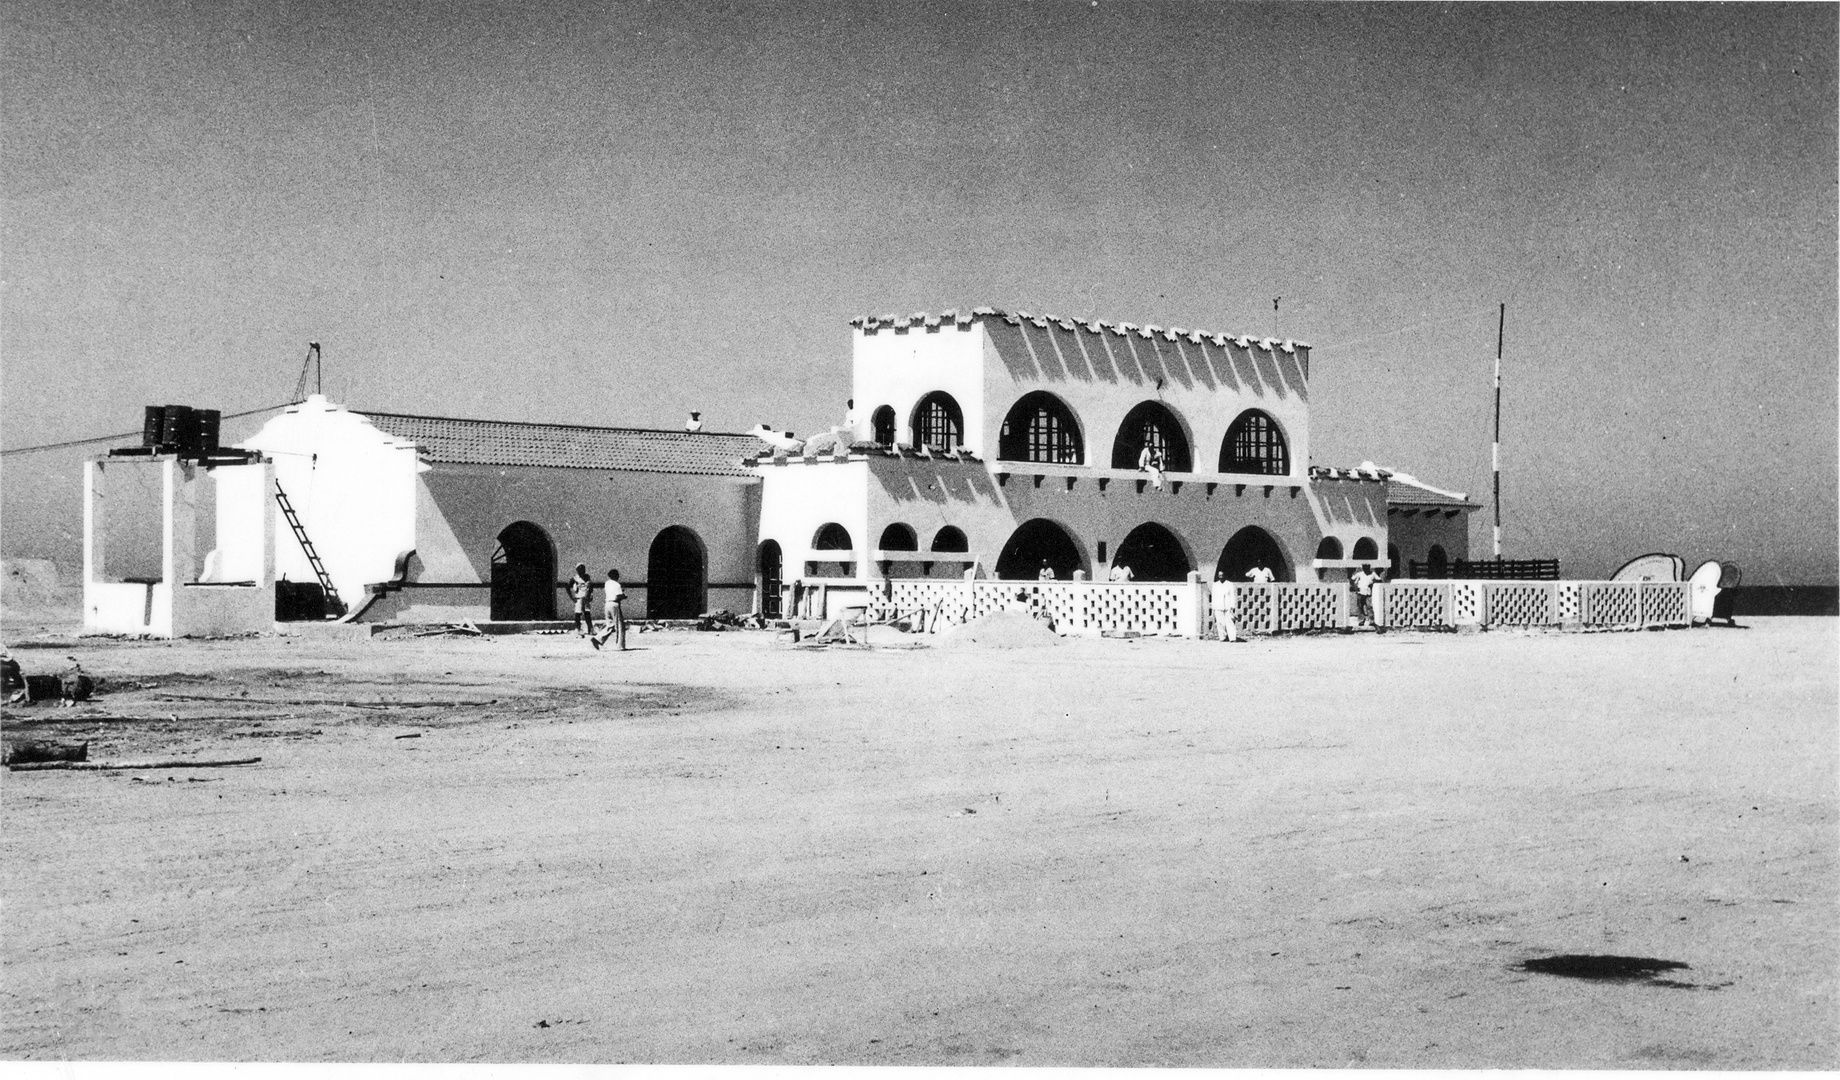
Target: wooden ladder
{"points": [[333, 603]]}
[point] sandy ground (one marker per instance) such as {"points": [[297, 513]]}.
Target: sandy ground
{"points": [[1311, 851]]}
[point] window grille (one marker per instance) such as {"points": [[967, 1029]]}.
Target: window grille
{"points": [[1255, 445], [938, 423]]}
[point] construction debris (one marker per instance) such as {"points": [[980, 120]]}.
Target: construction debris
{"points": [[42, 766]]}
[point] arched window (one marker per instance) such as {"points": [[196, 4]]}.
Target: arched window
{"points": [[898, 537], [1154, 554], [674, 578], [1437, 563], [1040, 427], [831, 537], [523, 574], [1255, 445], [1037, 541], [1249, 548], [1151, 424], [882, 421], [950, 538], [1330, 548], [1365, 548], [939, 424]]}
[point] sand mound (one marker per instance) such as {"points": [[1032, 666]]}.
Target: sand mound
{"points": [[33, 585], [1001, 630]]}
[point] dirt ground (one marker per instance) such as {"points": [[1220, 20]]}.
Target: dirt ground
{"points": [[1314, 851]]}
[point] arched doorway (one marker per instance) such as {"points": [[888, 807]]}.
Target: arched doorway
{"points": [[1437, 563], [523, 575], [772, 578], [882, 423], [1251, 547], [1032, 543], [1154, 554], [1151, 424], [674, 575], [1392, 560]]}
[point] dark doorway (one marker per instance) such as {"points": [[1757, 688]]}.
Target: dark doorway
{"points": [[1250, 547], [523, 574], [1034, 542], [771, 578], [1151, 424], [674, 582], [883, 423], [1154, 554], [1437, 564]]}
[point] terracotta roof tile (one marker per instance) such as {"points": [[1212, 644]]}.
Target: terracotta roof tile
{"points": [[1401, 493], [568, 446]]}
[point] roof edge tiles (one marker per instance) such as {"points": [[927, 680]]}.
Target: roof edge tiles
{"points": [[462, 441], [870, 324]]}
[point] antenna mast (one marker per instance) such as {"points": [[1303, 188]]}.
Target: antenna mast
{"points": [[1501, 327], [312, 364]]}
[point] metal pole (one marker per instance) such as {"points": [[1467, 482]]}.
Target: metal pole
{"points": [[1501, 327]]}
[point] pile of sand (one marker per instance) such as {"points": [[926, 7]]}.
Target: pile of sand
{"points": [[1001, 630], [34, 587]]}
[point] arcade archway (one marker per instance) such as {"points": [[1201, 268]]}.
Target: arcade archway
{"points": [[1252, 547], [1035, 542], [1154, 554]]}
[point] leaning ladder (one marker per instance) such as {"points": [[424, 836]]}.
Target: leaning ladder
{"points": [[306, 545]]}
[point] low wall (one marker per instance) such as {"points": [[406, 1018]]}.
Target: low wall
{"points": [[1172, 608], [1192, 608], [1606, 604]]}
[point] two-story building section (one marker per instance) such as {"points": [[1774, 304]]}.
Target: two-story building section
{"points": [[1036, 444]]}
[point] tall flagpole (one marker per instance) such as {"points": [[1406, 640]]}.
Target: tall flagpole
{"points": [[1495, 451]]}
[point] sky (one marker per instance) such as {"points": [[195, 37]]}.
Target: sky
{"points": [[613, 213]]}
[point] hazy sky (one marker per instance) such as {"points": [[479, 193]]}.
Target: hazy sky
{"points": [[616, 212]]}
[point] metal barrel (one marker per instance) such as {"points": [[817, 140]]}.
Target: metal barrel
{"points": [[210, 423]]}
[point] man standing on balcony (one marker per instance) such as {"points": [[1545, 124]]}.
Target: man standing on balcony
{"points": [[1364, 580]]}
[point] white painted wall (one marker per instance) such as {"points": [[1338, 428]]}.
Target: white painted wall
{"points": [[798, 497], [899, 367], [353, 487]]}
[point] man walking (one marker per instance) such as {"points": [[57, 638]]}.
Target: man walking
{"points": [[616, 616]]}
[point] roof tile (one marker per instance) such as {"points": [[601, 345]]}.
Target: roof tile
{"points": [[568, 446]]}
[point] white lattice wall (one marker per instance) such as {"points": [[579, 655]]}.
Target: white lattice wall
{"points": [[909, 595], [1412, 603], [1148, 609], [1613, 603], [1465, 602], [1255, 608], [1667, 603], [1307, 606], [1570, 598], [1519, 603]]}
